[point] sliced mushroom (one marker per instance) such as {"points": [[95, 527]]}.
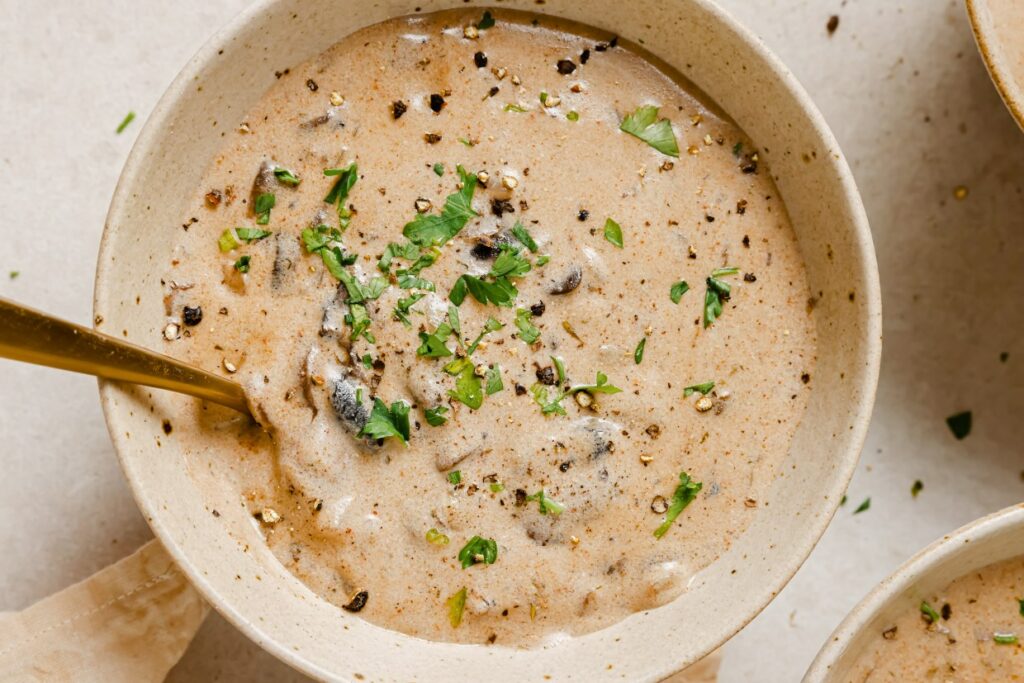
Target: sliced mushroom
{"points": [[264, 182], [568, 283], [286, 255], [353, 414], [318, 121]]}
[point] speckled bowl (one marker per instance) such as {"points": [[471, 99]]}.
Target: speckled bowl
{"points": [[991, 539], [224, 555], [998, 28]]}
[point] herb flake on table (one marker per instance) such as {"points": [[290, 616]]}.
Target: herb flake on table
{"points": [[685, 493], [717, 292], [125, 122], [478, 551], [917, 487], [675, 293], [387, 422], [863, 507], [960, 424], [644, 124], [613, 232]]}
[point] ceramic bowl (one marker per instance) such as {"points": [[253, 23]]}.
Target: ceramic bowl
{"points": [[991, 539], [225, 556], [998, 26]]}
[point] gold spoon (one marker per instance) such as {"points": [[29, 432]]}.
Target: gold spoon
{"points": [[34, 337]]}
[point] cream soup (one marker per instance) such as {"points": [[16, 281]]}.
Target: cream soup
{"points": [[969, 632], [522, 315]]}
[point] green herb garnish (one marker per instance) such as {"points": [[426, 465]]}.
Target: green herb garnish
{"points": [[1005, 638], [455, 477], [528, 332], [960, 424], [863, 507], [468, 388], [436, 416], [262, 206], [433, 230], [509, 263], [916, 488], [704, 389], [407, 251], [242, 264], [542, 260], [439, 169], [347, 178], [500, 292], [367, 361], [613, 232], [638, 354], [492, 381], [436, 537], [684, 494], [387, 422], [478, 551], [717, 292], [524, 237], [550, 404], [1020, 604], [928, 613], [434, 345], [286, 177], [516, 108], [467, 142], [643, 124], [128, 118], [737, 149], [406, 281], [559, 368], [227, 241], [547, 505], [491, 325], [486, 23], [573, 116], [14, 274], [543, 97], [456, 606], [677, 291], [497, 487], [403, 307], [252, 234]]}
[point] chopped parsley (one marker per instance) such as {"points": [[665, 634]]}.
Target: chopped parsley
{"points": [[492, 380], [250, 235], [455, 477], [524, 237], [433, 230], [407, 251], [347, 178], [439, 169], [262, 206], [14, 274], [638, 354], [509, 263], [550, 404], [677, 291], [468, 388], [404, 307], [497, 487], [387, 422], [516, 108], [436, 537], [559, 368], [467, 142], [242, 264], [704, 389], [573, 116], [500, 291], [1005, 638], [407, 281], [548, 506], [490, 325], [434, 345], [613, 232], [326, 241], [928, 613], [528, 332], [436, 416], [128, 118], [643, 124], [543, 97], [229, 239], [717, 292], [863, 507], [286, 177], [1020, 604], [684, 494], [456, 606], [487, 21], [478, 551], [960, 424], [916, 488]]}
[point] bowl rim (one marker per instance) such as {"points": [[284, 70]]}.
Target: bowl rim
{"points": [[860, 410], [1011, 93], [925, 561]]}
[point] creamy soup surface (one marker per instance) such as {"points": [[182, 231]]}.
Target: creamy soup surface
{"points": [[522, 372], [969, 632]]}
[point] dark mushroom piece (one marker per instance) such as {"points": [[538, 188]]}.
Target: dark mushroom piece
{"points": [[358, 602], [264, 182], [353, 414], [286, 255], [568, 283]]}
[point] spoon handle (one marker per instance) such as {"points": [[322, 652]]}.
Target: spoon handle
{"points": [[34, 337]]}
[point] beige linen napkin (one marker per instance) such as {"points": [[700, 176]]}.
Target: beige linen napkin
{"points": [[130, 622]]}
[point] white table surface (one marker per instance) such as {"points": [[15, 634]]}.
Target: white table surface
{"points": [[903, 88]]}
